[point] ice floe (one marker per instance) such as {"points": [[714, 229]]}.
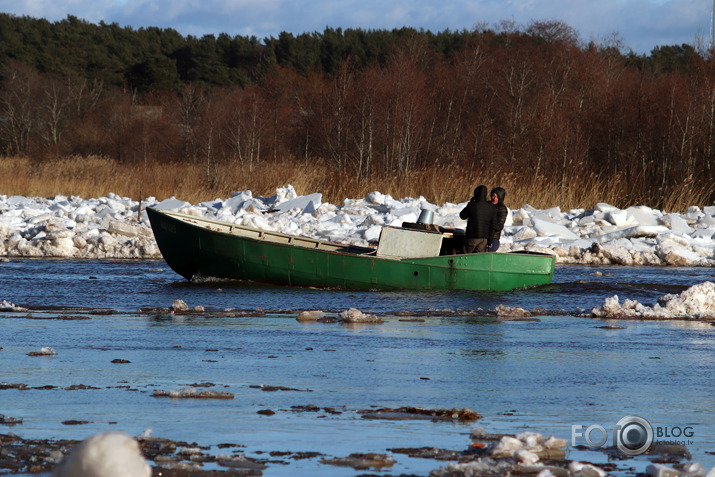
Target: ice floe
{"points": [[354, 315], [117, 227], [520, 455], [179, 305], [310, 315], [109, 454], [349, 316], [193, 393], [504, 311], [8, 306], [44, 351], [698, 302]]}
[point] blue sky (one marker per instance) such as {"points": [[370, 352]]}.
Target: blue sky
{"points": [[640, 25]]}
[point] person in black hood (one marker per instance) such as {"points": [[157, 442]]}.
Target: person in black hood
{"points": [[480, 215], [497, 196]]}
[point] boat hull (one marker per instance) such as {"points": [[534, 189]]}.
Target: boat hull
{"points": [[197, 247]]}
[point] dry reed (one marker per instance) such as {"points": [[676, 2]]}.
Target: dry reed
{"points": [[90, 177]]}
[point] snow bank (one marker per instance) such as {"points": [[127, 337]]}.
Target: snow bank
{"points": [[114, 227], [697, 302]]}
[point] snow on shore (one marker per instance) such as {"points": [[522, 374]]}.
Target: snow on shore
{"points": [[111, 227]]}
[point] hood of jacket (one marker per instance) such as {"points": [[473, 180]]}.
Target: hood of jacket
{"points": [[480, 193], [501, 193]]}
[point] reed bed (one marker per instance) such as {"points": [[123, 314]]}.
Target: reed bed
{"points": [[90, 177]]}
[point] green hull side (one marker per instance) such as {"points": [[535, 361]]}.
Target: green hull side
{"points": [[191, 250]]}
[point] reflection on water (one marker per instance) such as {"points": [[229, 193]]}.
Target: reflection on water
{"points": [[544, 375]]}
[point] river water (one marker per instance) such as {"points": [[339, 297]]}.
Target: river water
{"points": [[434, 350]]}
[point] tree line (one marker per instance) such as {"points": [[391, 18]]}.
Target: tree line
{"points": [[527, 101]]}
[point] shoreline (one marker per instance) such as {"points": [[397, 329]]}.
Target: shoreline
{"points": [[113, 227]]}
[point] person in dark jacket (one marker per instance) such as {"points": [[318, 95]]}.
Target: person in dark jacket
{"points": [[480, 215], [497, 196]]}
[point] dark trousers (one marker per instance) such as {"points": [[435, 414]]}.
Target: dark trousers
{"points": [[475, 245]]}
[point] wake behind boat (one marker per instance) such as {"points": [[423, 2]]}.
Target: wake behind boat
{"points": [[419, 258]]}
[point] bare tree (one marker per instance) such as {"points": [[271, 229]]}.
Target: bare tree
{"points": [[18, 107], [244, 126], [554, 31], [190, 104], [54, 109]]}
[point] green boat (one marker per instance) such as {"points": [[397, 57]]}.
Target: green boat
{"points": [[413, 257]]}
